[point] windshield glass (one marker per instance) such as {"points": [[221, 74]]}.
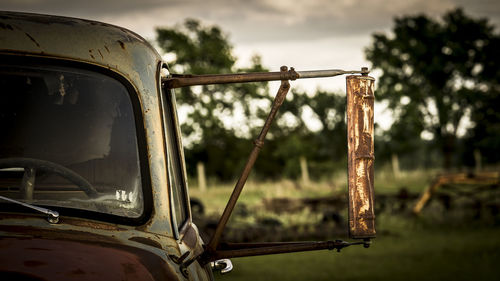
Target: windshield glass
{"points": [[68, 140]]}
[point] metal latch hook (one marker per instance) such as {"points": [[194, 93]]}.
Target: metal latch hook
{"points": [[224, 265]]}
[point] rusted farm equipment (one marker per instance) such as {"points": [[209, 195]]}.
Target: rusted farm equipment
{"points": [[481, 191], [396, 203]]}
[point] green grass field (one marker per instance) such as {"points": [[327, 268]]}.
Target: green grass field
{"points": [[434, 246], [446, 254]]}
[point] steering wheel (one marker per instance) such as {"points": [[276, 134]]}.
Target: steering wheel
{"points": [[30, 166]]}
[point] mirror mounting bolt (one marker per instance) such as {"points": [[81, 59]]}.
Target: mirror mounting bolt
{"points": [[364, 71], [367, 242]]}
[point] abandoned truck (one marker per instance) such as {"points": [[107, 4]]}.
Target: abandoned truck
{"points": [[92, 175]]}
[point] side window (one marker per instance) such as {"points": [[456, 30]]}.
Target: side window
{"points": [[175, 171]]}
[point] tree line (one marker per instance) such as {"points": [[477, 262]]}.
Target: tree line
{"points": [[440, 79]]}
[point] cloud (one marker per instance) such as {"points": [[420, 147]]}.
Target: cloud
{"points": [[256, 20], [87, 8], [307, 34]]}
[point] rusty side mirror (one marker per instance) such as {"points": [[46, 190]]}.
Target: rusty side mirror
{"points": [[360, 143], [360, 105]]}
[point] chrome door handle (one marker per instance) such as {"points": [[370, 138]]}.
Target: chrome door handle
{"points": [[224, 265]]}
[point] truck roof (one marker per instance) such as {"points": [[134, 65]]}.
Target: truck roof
{"points": [[93, 42], [108, 47]]}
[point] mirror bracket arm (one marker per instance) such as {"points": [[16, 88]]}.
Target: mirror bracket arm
{"points": [[235, 250]]}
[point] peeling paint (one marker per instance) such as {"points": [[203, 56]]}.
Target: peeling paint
{"points": [[362, 197], [6, 26], [367, 121], [122, 45], [360, 126], [32, 39]]}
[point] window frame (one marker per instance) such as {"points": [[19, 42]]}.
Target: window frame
{"points": [[142, 148], [169, 115]]}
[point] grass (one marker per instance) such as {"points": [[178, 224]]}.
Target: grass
{"points": [[433, 247], [458, 254], [216, 197]]}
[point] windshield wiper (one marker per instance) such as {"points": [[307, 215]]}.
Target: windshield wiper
{"points": [[52, 216]]}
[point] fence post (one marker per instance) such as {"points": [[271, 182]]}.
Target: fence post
{"points": [[395, 166], [202, 180], [304, 170], [478, 160]]}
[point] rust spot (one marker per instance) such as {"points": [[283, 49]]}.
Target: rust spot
{"points": [[122, 45], [33, 263], [6, 26], [190, 237], [10, 275], [128, 268], [77, 271], [60, 235], [93, 224], [360, 104], [32, 39], [37, 249], [146, 241]]}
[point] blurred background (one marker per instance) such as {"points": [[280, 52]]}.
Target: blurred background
{"points": [[437, 133]]}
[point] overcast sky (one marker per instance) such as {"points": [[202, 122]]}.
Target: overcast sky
{"points": [[308, 35]]}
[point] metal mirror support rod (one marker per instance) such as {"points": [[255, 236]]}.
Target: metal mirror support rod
{"points": [[258, 143], [211, 248], [178, 81], [235, 250]]}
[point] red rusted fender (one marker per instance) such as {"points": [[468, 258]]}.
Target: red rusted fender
{"points": [[29, 258]]}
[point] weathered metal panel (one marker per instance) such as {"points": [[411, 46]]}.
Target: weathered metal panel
{"points": [[71, 252], [360, 142], [113, 48], [131, 57], [48, 259]]}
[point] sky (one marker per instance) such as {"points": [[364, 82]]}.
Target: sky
{"points": [[308, 35]]}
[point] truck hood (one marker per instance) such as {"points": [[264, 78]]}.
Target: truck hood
{"points": [[28, 254]]}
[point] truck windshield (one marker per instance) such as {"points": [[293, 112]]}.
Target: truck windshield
{"points": [[68, 139]]}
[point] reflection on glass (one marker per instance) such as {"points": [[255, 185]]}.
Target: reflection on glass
{"points": [[74, 118], [175, 174]]}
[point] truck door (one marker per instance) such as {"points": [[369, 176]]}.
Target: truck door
{"points": [[185, 231]]}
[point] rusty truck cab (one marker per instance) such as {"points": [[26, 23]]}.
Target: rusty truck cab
{"points": [[92, 180], [92, 172]]}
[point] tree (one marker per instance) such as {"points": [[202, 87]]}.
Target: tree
{"points": [[433, 75], [485, 136], [222, 120], [214, 134], [325, 146]]}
